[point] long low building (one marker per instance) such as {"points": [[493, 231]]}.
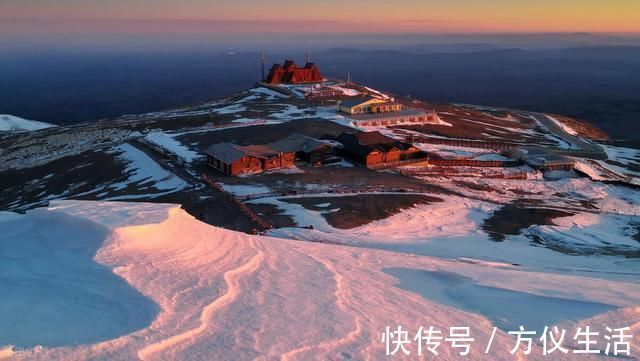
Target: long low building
{"points": [[368, 104], [405, 116]]}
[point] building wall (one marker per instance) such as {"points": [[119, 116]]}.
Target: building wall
{"points": [[374, 158], [284, 160], [393, 156], [245, 165], [216, 164], [365, 107], [250, 164], [319, 156], [379, 108], [394, 119]]}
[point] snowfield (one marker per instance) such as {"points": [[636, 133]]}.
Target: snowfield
{"points": [[142, 169], [223, 295], [11, 123], [173, 146]]}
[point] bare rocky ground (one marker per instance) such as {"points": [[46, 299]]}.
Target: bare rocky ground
{"points": [[354, 211]]}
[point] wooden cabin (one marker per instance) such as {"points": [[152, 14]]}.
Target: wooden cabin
{"points": [[306, 148], [372, 148], [232, 159]]}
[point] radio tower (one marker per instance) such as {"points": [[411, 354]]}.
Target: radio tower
{"points": [[262, 65]]}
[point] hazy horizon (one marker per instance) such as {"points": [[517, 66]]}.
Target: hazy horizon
{"points": [[328, 16]]}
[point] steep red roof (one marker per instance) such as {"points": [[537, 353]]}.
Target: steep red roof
{"points": [[289, 73]]}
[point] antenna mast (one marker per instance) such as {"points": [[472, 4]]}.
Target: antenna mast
{"points": [[307, 57], [262, 64]]}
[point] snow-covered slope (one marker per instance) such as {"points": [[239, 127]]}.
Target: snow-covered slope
{"points": [[10, 123], [225, 295]]}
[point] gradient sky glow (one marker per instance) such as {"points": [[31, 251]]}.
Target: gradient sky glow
{"points": [[331, 16]]}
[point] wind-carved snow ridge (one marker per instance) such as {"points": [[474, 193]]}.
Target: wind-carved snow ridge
{"points": [[225, 295], [231, 278], [342, 296]]}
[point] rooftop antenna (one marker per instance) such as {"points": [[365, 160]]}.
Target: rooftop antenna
{"points": [[307, 57], [262, 64]]}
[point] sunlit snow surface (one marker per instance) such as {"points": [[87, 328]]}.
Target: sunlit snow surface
{"points": [[225, 295]]}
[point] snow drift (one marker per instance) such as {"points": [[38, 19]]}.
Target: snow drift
{"points": [[229, 296]]}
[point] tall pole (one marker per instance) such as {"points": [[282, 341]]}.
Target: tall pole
{"points": [[262, 64]]}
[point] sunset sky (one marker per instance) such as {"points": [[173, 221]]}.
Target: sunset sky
{"points": [[331, 16]]}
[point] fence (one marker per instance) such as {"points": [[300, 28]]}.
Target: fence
{"points": [[253, 216], [594, 153], [461, 142], [474, 163], [401, 163], [243, 124], [163, 151], [448, 163], [437, 171], [343, 190]]}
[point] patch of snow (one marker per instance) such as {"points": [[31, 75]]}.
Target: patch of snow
{"points": [[6, 352], [245, 189], [377, 92], [563, 126], [231, 109], [271, 94], [341, 163], [11, 123], [287, 170], [559, 174], [142, 169], [448, 151], [492, 156], [347, 91], [171, 145], [442, 122]]}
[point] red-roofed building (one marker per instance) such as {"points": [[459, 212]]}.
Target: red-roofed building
{"points": [[289, 73]]}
